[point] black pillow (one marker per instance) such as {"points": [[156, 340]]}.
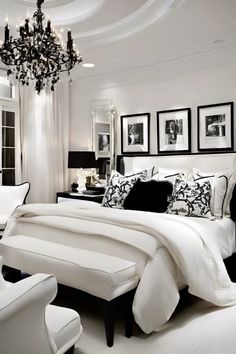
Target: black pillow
{"points": [[149, 195], [232, 205]]}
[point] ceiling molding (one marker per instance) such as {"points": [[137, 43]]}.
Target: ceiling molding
{"points": [[82, 17], [152, 11], [48, 3], [202, 60], [61, 12]]}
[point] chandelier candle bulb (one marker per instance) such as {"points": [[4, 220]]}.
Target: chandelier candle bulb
{"points": [[7, 33], [26, 26], [49, 26], [21, 31]]}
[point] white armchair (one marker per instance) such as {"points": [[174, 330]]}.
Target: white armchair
{"points": [[25, 326], [10, 198]]}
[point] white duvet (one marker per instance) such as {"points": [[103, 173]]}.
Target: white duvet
{"points": [[175, 249]]}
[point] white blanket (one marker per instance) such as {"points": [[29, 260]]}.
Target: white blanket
{"points": [[172, 245]]}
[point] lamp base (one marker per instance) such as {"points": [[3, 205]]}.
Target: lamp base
{"points": [[81, 180]]}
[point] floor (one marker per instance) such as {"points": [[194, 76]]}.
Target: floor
{"points": [[197, 327]]}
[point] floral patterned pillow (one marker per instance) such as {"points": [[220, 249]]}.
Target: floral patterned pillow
{"points": [[191, 198], [119, 187]]}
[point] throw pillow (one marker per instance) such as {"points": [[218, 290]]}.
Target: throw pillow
{"points": [[190, 198], [118, 188], [219, 190], [149, 195]]}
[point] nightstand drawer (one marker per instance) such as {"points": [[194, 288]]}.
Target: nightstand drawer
{"points": [[73, 195]]}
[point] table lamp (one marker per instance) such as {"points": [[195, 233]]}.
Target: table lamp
{"points": [[82, 160]]}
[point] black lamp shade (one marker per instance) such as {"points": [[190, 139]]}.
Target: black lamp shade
{"points": [[81, 159]]}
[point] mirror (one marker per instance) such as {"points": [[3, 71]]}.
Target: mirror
{"points": [[103, 133]]}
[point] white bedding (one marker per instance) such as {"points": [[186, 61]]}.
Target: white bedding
{"points": [[169, 250]]}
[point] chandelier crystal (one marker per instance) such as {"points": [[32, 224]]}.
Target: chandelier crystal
{"points": [[39, 53]]}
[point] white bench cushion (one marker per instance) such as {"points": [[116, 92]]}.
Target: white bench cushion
{"points": [[98, 274]]}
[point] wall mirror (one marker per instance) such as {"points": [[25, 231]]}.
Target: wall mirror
{"points": [[103, 132]]}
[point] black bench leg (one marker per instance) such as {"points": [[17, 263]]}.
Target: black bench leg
{"points": [[11, 274], [129, 317], [109, 317], [71, 350]]}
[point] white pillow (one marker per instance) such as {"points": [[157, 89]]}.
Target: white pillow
{"points": [[149, 171], [190, 198], [221, 188], [166, 174], [119, 187]]}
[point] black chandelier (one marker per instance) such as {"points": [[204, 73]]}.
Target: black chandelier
{"points": [[38, 53]]}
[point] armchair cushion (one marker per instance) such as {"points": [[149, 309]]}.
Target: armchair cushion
{"points": [[63, 325]]}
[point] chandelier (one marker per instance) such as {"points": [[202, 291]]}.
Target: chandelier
{"points": [[39, 53]]}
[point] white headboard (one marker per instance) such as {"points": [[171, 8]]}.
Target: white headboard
{"points": [[205, 162]]}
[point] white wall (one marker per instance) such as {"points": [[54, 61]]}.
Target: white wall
{"points": [[187, 89]]}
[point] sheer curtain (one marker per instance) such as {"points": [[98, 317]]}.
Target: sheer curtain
{"points": [[44, 130]]}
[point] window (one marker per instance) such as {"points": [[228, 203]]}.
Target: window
{"points": [[9, 133]]}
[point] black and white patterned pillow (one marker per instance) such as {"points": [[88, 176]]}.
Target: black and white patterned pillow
{"points": [[119, 187], [221, 189], [190, 198]]}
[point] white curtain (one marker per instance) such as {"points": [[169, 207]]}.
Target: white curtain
{"points": [[44, 125]]}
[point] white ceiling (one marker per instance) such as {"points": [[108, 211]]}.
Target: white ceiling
{"points": [[122, 35]]}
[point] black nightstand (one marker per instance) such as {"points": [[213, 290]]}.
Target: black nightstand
{"points": [[74, 195]]}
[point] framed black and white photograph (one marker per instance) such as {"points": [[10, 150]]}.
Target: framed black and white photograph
{"points": [[103, 144], [102, 140], [135, 133], [174, 131], [215, 126]]}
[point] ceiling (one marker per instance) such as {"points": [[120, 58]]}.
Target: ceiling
{"points": [[123, 35]]}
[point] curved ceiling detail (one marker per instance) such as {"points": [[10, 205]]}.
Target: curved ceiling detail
{"points": [[152, 11], [96, 21], [75, 12], [61, 12], [47, 3]]}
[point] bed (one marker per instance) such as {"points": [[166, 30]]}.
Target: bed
{"points": [[170, 251]]}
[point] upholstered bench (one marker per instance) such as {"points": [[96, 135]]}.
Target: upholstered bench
{"points": [[106, 277]]}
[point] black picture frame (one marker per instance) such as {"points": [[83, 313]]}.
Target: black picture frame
{"points": [[215, 127], [135, 133], [174, 131]]}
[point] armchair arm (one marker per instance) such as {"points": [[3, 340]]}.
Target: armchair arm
{"points": [[22, 316]]}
